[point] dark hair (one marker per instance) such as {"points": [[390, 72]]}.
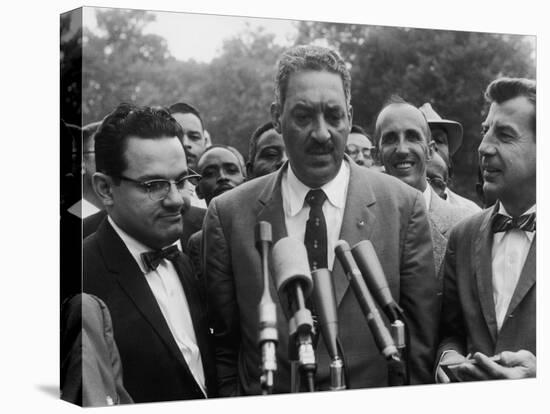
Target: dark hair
{"points": [[504, 89], [253, 142], [398, 100], [356, 129], [125, 121], [238, 155], [185, 108], [310, 57]]}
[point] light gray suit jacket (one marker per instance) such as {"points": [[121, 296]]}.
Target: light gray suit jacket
{"points": [[443, 216], [378, 207]]}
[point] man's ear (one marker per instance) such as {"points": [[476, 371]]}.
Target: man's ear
{"points": [[350, 116], [431, 149], [276, 116], [103, 187]]}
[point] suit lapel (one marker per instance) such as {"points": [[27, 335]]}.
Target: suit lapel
{"points": [[357, 223], [526, 280], [271, 206], [439, 227], [132, 281], [484, 272]]}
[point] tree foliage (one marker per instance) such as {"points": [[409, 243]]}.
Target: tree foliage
{"points": [[449, 69]]}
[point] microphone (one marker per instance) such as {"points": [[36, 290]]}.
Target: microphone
{"points": [[379, 331], [325, 305], [268, 336], [369, 265], [294, 286]]}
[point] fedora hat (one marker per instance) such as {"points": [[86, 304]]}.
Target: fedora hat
{"points": [[453, 128]]}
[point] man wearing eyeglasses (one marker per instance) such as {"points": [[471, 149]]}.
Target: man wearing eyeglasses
{"points": [[405, 146], [134, 264], [359, 147]]}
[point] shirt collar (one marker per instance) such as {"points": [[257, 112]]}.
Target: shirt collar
{"points": [[502, 210], [335, 189], [427, 193], [134, 246]]}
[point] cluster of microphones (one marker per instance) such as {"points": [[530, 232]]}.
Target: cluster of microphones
{"points": [[296, 285]]}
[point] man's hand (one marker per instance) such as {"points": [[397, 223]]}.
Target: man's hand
{"points": [[510, 365], [450, 357]]}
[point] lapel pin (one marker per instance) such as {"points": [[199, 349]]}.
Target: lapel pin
{"points": [[361, 223]]}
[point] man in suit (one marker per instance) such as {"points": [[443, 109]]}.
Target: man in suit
{"points": [[405, 147], [133, 264], [312, 111], [489, 297], [447, 138], [221, 168]]}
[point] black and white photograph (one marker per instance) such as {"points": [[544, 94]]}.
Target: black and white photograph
{"points": [[300, 211]]}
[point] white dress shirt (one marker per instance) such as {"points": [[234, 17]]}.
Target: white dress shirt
{"points": [[508, 257], [297, 210], [166, 287]]}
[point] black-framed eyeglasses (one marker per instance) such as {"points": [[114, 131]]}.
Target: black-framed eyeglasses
{"points": [[159, 189], [354, 151]]}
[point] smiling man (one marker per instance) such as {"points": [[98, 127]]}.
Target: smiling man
{"points": [[489, 300], [405, 147], [318, 185], [133, 264]]}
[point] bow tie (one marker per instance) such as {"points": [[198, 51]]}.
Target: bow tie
{"points": [[504, 223], [152, 259]]}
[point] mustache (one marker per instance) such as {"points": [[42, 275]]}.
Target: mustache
{"points": [[315, 148]]}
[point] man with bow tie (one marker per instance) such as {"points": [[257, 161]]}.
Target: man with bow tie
{"points": [[489, 298], [133, 263]]}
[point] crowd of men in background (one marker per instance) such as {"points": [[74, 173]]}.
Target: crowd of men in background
{"points": [[172, 277]]}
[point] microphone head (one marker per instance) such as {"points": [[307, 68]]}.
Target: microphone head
{"points": [[263, 233], [290, 264], [367, 260]]}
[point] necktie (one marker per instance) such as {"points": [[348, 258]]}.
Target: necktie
{"points": [[315, 238], [152, 259], [502, 223]]}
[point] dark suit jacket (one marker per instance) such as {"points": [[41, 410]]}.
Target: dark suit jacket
{"points": [[154, 367], [378, 207], [192, 222], [468, 321]]}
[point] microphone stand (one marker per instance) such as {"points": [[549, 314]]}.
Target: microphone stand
{"points": [[268, 337], [384, 341], [294, 285], [300, 341], [325, 303]]}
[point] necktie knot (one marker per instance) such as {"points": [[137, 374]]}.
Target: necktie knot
{"points": [[502, 223], [316, 198], [152, 259]]}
